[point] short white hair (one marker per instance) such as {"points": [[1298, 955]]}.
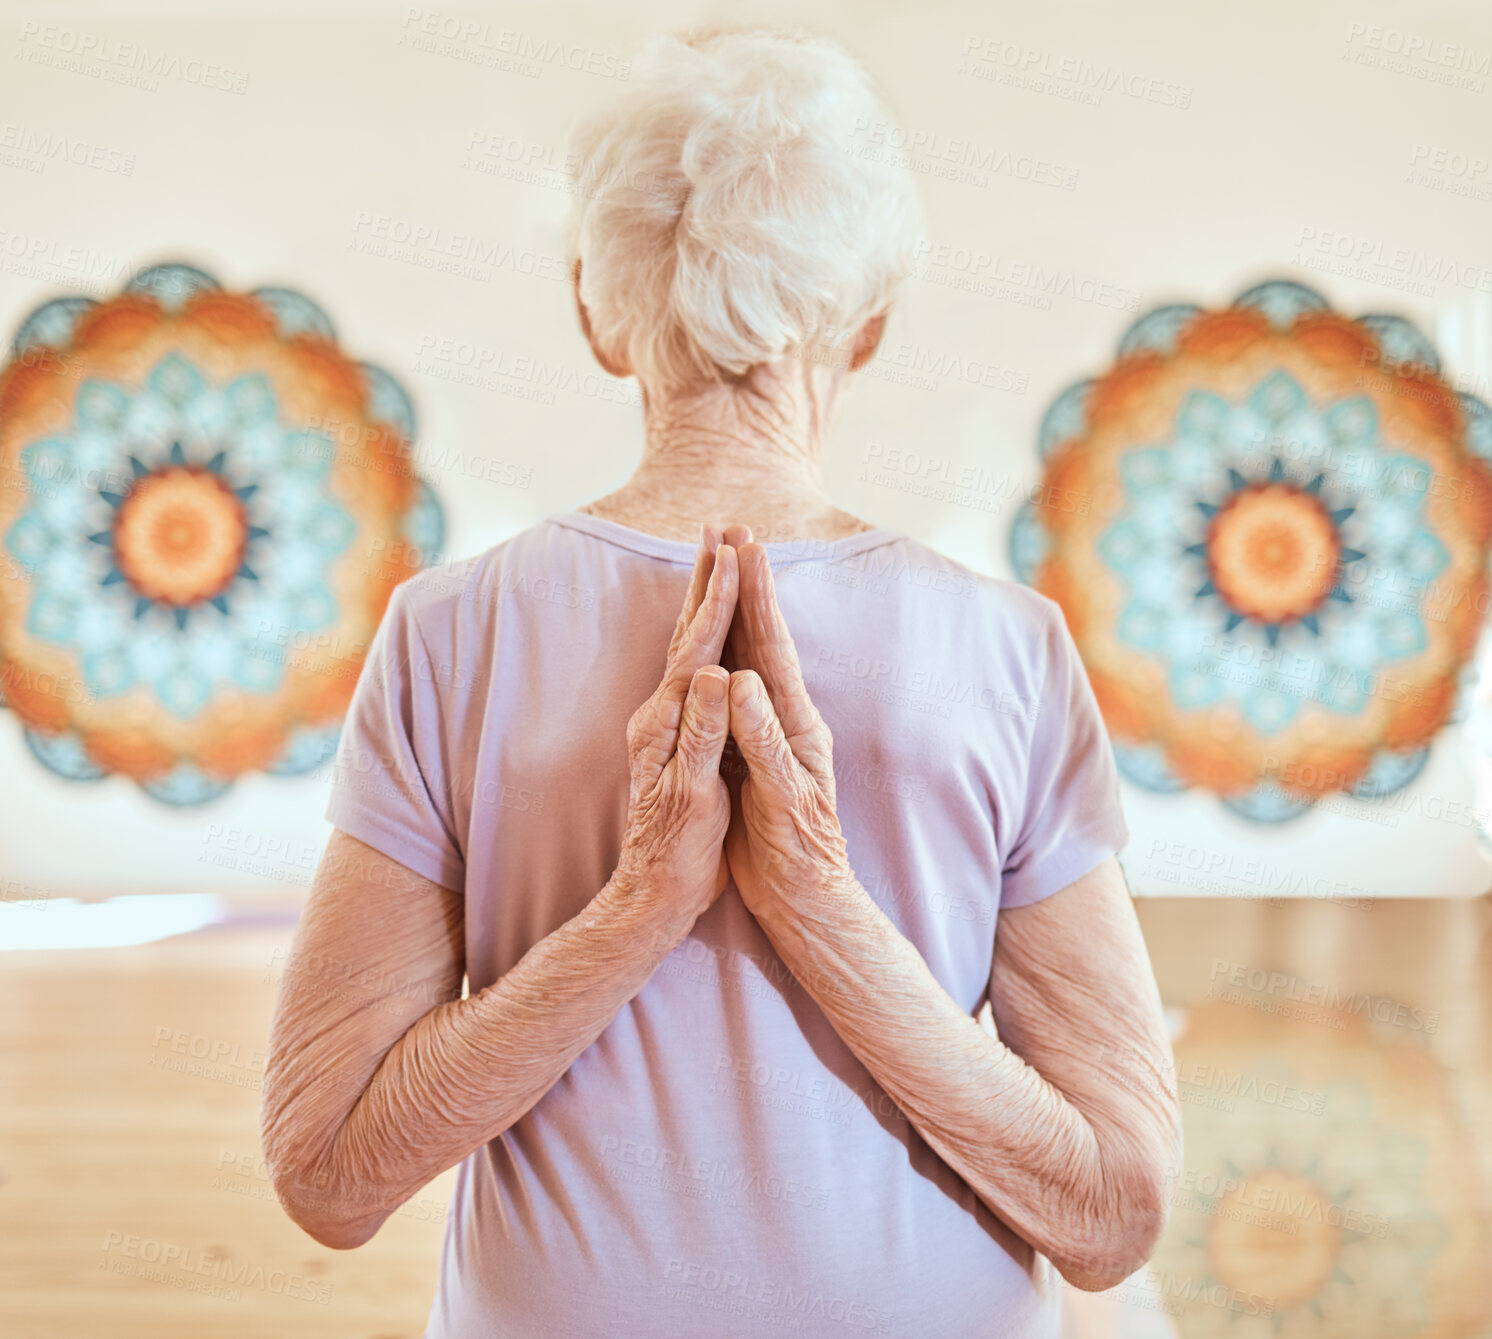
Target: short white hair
{"points": [[730, 207]]}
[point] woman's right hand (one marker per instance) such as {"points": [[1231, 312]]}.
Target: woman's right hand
{"points": [[679, 807]]}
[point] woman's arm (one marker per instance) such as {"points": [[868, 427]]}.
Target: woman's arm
{"points": [[378, 1077], [1067, 1125]]}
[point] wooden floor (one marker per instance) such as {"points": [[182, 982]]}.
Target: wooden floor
{"points": [[1337, 1085], [134, 1193]]}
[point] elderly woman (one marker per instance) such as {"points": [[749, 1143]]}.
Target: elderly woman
{"points": [[719, 1068]]}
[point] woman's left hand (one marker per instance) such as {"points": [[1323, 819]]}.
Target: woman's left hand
{"points": [[784, 844]]}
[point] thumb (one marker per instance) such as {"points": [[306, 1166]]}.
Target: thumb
{"points": [[705, 722], [756, 729]]}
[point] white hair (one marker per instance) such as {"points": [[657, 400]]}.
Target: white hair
{"points": [[731, 208]]}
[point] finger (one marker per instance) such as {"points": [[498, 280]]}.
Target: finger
{"points": [[656, 724], [705, 724], [757, 731], [704, 565], [705, 637], [735, 535], [766, 645]]}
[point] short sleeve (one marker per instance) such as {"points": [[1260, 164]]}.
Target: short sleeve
{"points": [[1073, 818], [388, 759]]}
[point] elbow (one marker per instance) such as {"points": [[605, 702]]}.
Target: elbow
{"points": [[1127, 1204], [1106, 1259], [314, 1197], [1119, 1241], [331, 1218], [345, 1235]]}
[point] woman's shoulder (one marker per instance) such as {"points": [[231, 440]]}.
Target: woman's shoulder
{"points": [[541, 570], [993, 601]]}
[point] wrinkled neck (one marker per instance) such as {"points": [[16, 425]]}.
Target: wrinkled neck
{"points": [[749, 451]]}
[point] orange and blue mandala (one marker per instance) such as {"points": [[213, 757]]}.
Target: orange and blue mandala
{"points": [[1268, 528], [205, 508]]}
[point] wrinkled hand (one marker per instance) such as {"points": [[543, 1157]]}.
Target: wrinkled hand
{"points": [[678, 803], [784, 844]]}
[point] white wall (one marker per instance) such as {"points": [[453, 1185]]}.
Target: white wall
{"points": [[1286, 139]]}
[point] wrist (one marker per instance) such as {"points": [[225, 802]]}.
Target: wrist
{"points": [[823, 938], [824, 897], [636, 911]]}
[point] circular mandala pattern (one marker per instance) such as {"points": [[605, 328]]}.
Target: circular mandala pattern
{"points": [[1330, 1185], [1272, 552], [201, 493], [1297, 1250], [1279, 570], [179, 535]]}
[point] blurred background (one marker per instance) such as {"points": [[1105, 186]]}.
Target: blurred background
{"points": [[293, 278]]}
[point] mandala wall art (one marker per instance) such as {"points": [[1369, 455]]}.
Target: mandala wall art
{"points": [[1330, 1183], [205, 507], [1268, 527]]}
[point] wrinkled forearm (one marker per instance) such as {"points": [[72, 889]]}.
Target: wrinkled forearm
{"points": [[1082, 1181], [351, 1135]]}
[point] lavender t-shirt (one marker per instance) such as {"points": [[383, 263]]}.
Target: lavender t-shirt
{"points": [[718, 1162]]}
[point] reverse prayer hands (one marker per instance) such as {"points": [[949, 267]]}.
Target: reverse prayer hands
{"points": [[784, 844]]}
